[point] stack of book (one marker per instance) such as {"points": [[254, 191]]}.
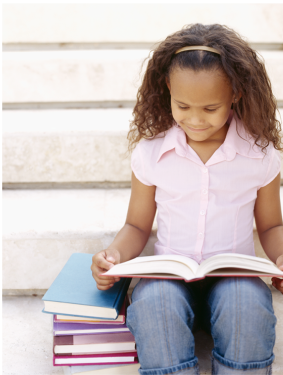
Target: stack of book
{"points": [[89, 325]]}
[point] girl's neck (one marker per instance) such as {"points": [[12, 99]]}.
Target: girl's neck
{"points": [[205, 149]]}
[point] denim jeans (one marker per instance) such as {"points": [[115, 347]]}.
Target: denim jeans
{"points": [[237, 311]]}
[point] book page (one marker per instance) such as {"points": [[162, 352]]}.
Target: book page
{"points": [[172, 264], [238, 261], [157, 268]]}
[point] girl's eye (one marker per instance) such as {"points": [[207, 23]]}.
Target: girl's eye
{"points": [[183, 107], [210, 110]]}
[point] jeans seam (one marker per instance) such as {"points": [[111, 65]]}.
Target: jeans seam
{"points": [[238, 319], [165, 323], [271, 304]]}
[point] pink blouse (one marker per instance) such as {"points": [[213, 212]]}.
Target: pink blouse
{"points": [[205, 209]]}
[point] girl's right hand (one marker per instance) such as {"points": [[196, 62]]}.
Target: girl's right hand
{"points": [[102, 262]]}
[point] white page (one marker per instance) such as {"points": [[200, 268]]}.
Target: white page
{"points": [[238, 261], [95, 348], [155, 268], [64, 361], [150, 262], [86, 331]]}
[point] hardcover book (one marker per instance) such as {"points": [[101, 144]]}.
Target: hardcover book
{"points": [[94, 344], [121, 319], [74, 292], [64, 329], [97, 359], [181, 267]]}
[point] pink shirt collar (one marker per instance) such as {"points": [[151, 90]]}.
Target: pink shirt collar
{"points": [[175, 138]]}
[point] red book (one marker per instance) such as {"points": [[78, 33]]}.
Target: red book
{"points": [[95, 359]]}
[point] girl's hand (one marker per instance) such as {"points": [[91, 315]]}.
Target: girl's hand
{"points": [[276, 282], [102, 262]]}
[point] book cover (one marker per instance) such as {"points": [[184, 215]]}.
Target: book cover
{"points": [[61, 329], [74, 292], [94, 344], [97, 359], [121, 319]]}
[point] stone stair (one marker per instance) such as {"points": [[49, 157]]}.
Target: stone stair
{"points": [[70, 77]]}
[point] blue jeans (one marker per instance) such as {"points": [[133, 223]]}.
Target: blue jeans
{"points": [[237, 311]]}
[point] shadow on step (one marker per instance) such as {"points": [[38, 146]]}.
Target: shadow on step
{"points": [[203, 348]]}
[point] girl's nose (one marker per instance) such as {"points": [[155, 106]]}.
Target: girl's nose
{"points": [[194, 117], [195, 121]]}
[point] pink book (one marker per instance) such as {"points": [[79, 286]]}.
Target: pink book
{"points": [[95, 359], [94, 344]]}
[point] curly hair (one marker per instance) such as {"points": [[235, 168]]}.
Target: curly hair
{"points": [[243, 67]]}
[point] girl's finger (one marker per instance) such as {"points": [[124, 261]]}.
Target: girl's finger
{"points": [[105, 282], [102, 287], [97, 274], [100, 261]]}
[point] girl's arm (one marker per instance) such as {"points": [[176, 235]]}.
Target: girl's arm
{"points": [[132, 238], [269, 224]]}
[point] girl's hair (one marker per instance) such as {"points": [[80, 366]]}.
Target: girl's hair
{"points": [[245, 71]]}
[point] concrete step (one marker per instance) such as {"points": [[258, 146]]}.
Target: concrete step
{"points": [[67, 147], [42, 228], [89, 76], [89, 23], [27, 338]]}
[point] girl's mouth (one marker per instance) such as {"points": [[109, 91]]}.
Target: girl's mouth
{"points": [[196, 130]]}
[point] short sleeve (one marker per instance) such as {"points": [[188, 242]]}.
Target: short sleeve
{"points": [[138, 163], [274, 166]]}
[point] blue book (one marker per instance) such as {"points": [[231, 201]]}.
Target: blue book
{"points": [[74, 292]]}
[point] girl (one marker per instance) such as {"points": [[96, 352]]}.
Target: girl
{"points": [[209, 163]]}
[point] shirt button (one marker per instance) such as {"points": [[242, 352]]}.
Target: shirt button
{"points": [[200, 234], [204, 170], [204, 191], [202, 212]]}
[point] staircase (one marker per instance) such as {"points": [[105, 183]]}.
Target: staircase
{"points": [[70, 77]]}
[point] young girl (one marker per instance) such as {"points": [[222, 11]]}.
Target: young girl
{"points": [[209, 163]]}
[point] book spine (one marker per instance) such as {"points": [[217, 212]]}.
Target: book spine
{"points": [[122, 295]]}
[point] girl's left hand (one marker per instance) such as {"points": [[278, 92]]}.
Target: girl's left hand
{"points": [[276, 282]]}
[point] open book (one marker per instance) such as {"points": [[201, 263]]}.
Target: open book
{"points": [[181, 267]]}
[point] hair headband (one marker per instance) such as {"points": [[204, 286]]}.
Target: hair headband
{"points": [[191, 48]]}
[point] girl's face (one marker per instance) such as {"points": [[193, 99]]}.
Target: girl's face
{"points": [[201, 103]]}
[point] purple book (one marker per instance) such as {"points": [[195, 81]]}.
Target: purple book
{"points": [[64, 329]]}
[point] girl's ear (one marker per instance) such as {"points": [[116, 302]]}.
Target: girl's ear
{"points": [[168, 84], [237, 98]]}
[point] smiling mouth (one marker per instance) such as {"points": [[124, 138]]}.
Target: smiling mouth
{"points": [[196, 129]]}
